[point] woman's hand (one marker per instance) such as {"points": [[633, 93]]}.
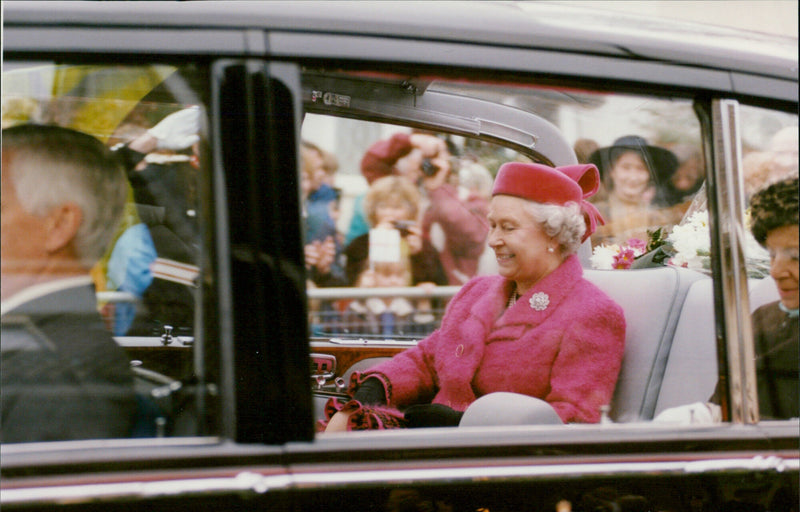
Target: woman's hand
{"points": [[320, 254], [311, 252], [338, 422], [327, 253], [414, 239], [429, 145]]}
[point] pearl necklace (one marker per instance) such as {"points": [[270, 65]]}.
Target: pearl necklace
{"points": [[513, 298]]}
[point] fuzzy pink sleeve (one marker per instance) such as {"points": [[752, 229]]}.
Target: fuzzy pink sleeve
{"points": [[410, 376]]}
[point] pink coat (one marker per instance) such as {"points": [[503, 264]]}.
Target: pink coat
{"points": [[568, 353]]}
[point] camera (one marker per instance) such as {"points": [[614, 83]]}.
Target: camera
{"points": [[402, 226], [429, 168]]}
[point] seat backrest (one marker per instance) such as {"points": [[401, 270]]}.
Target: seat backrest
{"points": [[691, 372], [692, 368], [653, 301]]}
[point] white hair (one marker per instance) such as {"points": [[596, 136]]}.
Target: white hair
{"points": [[50, 166], [565, 224]]}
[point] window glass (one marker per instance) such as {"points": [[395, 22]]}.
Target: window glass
{"points": [[377, 286], [770, 148], [100, 318]]}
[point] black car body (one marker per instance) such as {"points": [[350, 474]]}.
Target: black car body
{"points": [[498, 73]]}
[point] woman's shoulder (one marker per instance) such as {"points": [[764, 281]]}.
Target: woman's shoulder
{"points": [[767, 310], [594, 299], [767, 316]]}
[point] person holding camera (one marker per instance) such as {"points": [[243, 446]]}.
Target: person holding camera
{"points": [[461, 222], [425, 161], [392, 206]]}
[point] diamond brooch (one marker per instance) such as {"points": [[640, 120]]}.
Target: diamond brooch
{"points": [[539, 301]]}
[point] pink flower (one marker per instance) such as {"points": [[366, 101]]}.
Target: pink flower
{"points": [[638, 246], [624, 259]]}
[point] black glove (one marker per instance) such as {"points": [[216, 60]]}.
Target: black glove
{"points": [[432, 415], [370, 392]]}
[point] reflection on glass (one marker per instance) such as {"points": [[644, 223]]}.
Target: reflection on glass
{"points": [[134, 246]]}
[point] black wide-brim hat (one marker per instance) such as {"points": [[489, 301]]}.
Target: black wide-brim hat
{"points": [[661, 162]]}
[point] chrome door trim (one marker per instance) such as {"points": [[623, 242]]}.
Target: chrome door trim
{"points": [[727, 229], [255, 482]]}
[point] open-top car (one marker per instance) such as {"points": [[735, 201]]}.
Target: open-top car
{"points": [[239, 332]]}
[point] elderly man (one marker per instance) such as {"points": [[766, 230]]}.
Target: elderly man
{"points": [[63, 376]]}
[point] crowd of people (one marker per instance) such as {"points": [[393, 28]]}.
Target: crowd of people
{"points": [[415, 226], [424, 215]]}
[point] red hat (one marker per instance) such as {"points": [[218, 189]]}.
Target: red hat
{"points": [[380, 158], [552, 185]]}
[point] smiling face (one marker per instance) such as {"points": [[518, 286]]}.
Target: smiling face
{"points": [[782, 244], [630, 176], [687, 175], [519, 243], [390, 273]]}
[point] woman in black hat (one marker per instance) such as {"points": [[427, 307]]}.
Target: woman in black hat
{"points": [[631, 170]]}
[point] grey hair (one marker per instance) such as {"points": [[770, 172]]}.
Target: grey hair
{"points": [[565, 224], [50, 166]]}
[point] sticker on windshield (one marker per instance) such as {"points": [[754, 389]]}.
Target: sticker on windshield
{"points": [[331, 99]]}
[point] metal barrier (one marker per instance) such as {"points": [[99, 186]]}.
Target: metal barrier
{"points": [[402, 311], [399, 312]]}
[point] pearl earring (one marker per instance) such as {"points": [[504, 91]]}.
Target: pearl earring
{"points": [[550, 249]]}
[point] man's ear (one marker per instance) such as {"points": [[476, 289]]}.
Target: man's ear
{"points": [[62, 225]]}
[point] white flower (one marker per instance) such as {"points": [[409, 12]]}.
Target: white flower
{"points": [[692, 244], [603, 256]]}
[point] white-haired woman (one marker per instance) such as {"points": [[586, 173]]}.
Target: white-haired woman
{"points": [[538, 330]]}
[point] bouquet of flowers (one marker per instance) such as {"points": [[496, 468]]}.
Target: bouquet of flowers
{"points": [[688, 245]]}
